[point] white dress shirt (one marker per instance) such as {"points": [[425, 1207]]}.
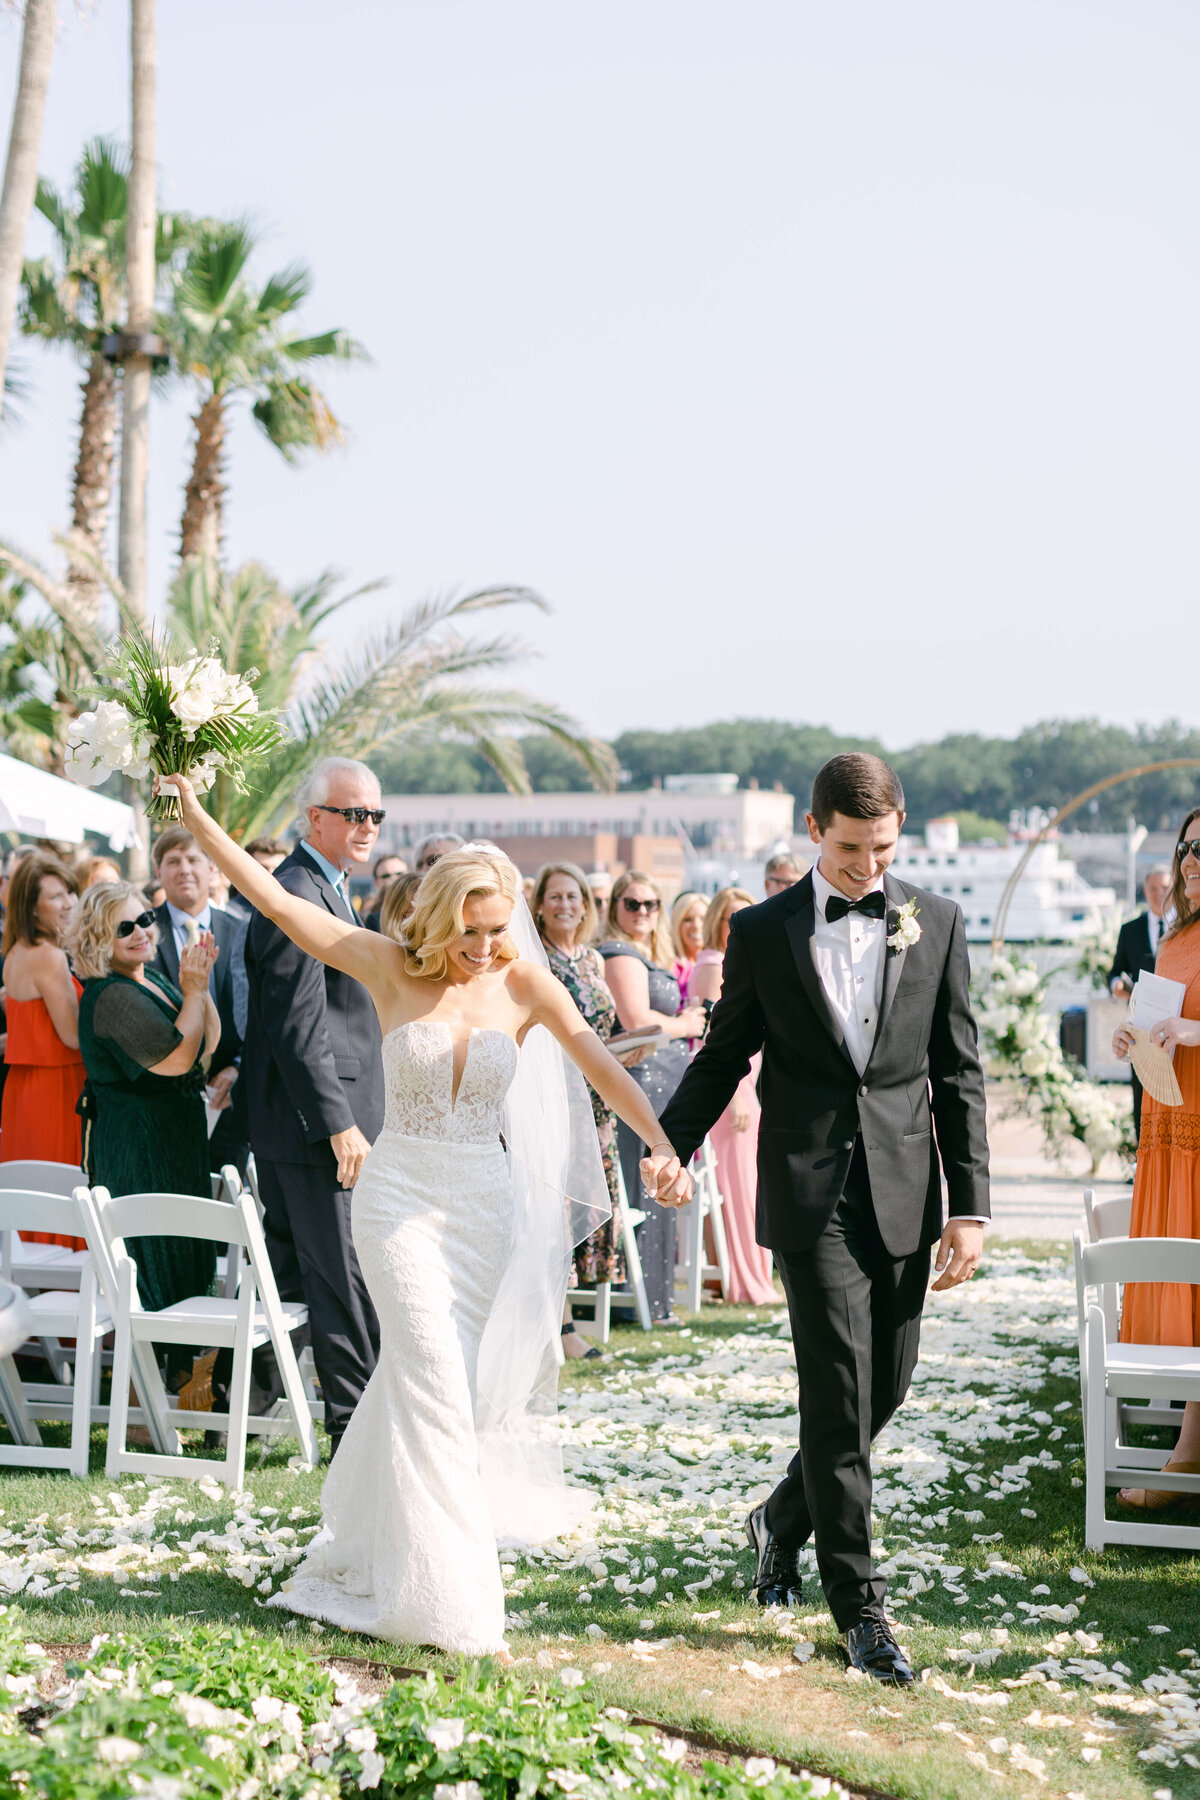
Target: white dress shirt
{"points": [[849, 955], [180, 921], [1156, 926]]}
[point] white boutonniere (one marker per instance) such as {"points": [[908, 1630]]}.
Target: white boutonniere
{"points": [[905, 931]]}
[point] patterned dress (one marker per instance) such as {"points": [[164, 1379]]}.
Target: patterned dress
{"points": [[599, 1257]]}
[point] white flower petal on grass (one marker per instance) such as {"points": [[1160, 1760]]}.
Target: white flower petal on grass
{"points": [[446, 1734], [371, 1768], [118, 1750]]}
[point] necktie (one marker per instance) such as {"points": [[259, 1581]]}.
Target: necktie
{"points": [[873, 906]]}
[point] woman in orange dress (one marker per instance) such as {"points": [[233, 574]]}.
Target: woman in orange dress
{"points": [[1166, 1187], [38, 1121]]}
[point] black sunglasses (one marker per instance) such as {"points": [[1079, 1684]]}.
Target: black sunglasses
{"points": [[357, 815], [1191, 845], [646, 906], [143, 922]]}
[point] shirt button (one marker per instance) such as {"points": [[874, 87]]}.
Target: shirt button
{"points": [[849, 1144], [864, 1089]]}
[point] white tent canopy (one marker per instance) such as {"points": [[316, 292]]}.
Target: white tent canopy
{"points": [[45, 806]]}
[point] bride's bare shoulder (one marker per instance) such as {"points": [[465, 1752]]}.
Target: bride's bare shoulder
{"points": [[528, 983]]}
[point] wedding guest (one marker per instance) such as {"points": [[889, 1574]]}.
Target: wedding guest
{"points": [[144, 1041], [314, 1080], [432, 849], [1166, 1185], [8, 869], [270, 853], [565, 916], [687, 936], [91, 869], [384, 871], [186, 876], [734, 1137], [38, 1121], [398, 902], [638, 956], [781, 871], [1138, 944], [601, 884]]}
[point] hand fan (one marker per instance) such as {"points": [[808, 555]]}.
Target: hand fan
{"points": [[1154, 1069]]}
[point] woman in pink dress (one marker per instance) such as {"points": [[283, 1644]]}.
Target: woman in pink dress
{"points": [[734, 1137], [687, 937]]}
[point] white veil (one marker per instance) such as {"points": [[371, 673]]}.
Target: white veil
{"points": [[560, 1197]]}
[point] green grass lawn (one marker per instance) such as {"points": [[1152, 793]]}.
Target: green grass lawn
{"points": [[979, 1516]]}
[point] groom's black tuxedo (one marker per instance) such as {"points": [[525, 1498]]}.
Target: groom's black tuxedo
{"points": [[849, 1190]]}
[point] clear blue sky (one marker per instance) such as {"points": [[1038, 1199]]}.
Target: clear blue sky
{"points": [[828, 362]]}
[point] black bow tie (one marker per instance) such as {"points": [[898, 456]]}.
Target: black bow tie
{"points": [[873, 905]]}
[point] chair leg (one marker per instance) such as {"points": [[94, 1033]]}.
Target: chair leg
{"points": [[12, 1404], [633, 1263], [1095, 1435], [118, 1411], [297, 1400], [239, 1385], [86, 1354], [603, 1312], [716, 1220]]}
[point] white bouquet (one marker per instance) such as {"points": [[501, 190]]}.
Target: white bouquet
{"points": [[176, 716]]}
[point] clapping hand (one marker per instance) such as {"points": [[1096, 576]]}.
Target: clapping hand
{"points": [[666, 1180], [195, 964]]}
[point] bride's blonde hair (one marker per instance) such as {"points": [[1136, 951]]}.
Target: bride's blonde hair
{"points": [[436, 919]]}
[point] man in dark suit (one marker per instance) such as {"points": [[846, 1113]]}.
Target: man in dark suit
{"points": [[1137, 948], [314, 1081], [183, 870], [855, 988]]}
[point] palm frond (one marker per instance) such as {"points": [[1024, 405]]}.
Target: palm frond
{"points": [[284, 291], [87, 643]]}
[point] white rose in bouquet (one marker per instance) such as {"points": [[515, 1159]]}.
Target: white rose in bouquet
{"points": [[107, 742], [1023, 982], [196, 692]]}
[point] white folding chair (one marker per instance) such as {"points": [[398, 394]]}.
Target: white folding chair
{"points": [[1111, 1371], [694, 1269], [40, 1265], [633, 1294], [53, 1315], [1107, 1218], [255, 1318]]}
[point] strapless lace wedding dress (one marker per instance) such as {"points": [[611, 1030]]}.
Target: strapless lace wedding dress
{"points": [[407, 1551]]}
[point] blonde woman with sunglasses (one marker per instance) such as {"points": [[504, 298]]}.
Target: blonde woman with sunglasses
{"points": [[638, 957]]}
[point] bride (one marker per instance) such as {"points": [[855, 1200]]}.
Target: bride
{"points": [[464, 1237]]}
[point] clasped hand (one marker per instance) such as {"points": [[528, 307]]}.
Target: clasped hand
{"points": [[666, 1180]]}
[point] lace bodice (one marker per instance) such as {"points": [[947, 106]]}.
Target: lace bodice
{"points": [[418, 1066]]}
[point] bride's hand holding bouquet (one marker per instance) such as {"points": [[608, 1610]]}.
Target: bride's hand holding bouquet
{"points": [[187, 717]]}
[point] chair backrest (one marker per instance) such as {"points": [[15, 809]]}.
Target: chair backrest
{"points": [[1107, 1218], [166, 1215], [41, 1178], [1139, 1259], [27, 1209]]}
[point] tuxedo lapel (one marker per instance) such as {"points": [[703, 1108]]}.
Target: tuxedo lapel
{"points": [[893, 960], [325, 887], [799, 929]]}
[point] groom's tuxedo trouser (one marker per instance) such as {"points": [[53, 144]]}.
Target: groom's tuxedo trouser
{"points": [[306, 1223], [856, 1319]]}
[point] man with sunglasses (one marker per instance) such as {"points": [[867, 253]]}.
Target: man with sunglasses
{"points": [[314, 1077]]}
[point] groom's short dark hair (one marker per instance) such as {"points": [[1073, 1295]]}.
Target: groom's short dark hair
{"points": [[856, 785]]}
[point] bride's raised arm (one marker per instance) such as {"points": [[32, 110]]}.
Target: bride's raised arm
{"points": [[553, 1007], [351, 948]]}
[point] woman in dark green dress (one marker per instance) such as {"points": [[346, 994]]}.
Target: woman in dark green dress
{"points": [[145, 1047]]}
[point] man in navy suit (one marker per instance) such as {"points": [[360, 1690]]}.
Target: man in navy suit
{"points": [[1138, 944], [314, 1084]]}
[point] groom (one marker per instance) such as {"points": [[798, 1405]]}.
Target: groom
{"points": [[854, 986]]}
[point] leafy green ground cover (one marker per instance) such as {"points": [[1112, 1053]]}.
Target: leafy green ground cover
{"points": [[1051, 1670]]}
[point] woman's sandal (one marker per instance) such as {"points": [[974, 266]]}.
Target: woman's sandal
{"points": [[594, 1354], [1158, 1499]]}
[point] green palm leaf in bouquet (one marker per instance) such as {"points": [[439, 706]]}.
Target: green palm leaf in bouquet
{"points": [[174, 712]]}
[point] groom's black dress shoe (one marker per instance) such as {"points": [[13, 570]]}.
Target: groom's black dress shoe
{"points": [[870, 1646], [776, 1578]]}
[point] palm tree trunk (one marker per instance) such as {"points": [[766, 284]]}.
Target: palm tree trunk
{"points": [[20, 169], [139, 283], [93, 476], [204, 497]]}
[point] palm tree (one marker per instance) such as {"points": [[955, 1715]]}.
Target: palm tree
{"points": [[231, 338], [417, 682], [77, 297], [20, 168]]}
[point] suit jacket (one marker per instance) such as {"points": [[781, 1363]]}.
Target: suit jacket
{"points": [[231, 1133], [923, 1077], [1133, 954], [313, 1064]]}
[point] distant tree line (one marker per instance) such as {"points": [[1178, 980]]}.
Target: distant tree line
{"points": [[980, 779]]}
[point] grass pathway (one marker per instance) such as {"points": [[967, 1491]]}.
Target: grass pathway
{"points": [[1052, 1671]]}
